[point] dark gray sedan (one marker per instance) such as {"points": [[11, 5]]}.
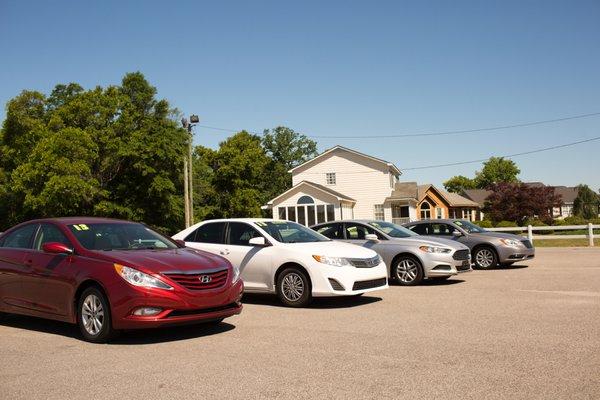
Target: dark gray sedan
{"points": [[488, 249]]}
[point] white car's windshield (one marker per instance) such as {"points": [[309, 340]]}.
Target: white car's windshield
{"points": [[392, 230], [469, 226], [290, 232]]}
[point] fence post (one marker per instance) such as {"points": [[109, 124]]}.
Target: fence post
{"points": [[591, 234], [530, 233]]}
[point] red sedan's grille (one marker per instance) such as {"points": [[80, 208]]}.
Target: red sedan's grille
{"points": [[199, 280]]}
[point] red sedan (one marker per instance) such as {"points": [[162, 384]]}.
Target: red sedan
{"points": [[106, 275]]}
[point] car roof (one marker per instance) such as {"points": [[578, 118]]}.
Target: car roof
{"points": [[240, 220], [428, 221]]}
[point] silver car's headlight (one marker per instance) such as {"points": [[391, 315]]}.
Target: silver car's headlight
{"points": [[511, 242], [138, 278], [434, 249], [335, 261]]}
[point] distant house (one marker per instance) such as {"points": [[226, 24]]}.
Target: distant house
{"points": [[342, 183], [568, 195]]}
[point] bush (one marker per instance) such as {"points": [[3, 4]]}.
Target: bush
{"points": [[483, 224], [575, 220], [506, 224]]}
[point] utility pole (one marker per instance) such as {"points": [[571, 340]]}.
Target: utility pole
{"points": [[188, 175]]}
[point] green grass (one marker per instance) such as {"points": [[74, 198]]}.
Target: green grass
{"points": [[564, 242]]}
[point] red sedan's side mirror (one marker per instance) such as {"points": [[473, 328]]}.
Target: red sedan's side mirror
{"points": [[180, 242], [56, 248]]}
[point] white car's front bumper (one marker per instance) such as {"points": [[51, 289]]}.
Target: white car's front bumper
{"points": [[346, 281]]}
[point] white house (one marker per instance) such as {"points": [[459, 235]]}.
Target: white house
{"points": [[342, 183]]}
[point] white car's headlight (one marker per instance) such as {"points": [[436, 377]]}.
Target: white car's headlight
{"points": [[335, 261], [236, 274], [138, 278], [434, 249], [511, 242]]}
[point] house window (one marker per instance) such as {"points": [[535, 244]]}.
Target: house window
{"points": [[282, 214], [425, 210], [306, 200], [330, 178], [320, 213], [439, 212], [330, 212], [378, 212], [466, 214]]}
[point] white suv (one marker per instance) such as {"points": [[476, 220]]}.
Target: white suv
{"points": [[289, 259]]}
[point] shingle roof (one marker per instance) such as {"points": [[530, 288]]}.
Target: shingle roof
{"points": [[477, 195], [403, 191], [568, 194], [453, 199]]}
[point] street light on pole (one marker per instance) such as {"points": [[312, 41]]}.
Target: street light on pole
{"points": [[188, 176]]}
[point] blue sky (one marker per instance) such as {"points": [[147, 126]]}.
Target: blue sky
{"points": [[340, 68]]}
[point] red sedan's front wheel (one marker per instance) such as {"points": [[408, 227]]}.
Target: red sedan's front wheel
{"points": [[93, 316]]}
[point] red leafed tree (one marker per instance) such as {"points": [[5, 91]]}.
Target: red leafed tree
{"points": [[518, 202]]}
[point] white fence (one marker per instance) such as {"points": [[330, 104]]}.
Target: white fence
{"points": [[530, 229]]}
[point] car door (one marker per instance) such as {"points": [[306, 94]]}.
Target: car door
{"points": [[14, 247], [255, 262], [208, 237], [47, 286]]}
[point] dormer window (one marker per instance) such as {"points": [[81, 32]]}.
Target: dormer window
{"points": [[330, 178]]}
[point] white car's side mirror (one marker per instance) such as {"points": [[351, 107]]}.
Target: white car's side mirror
{"points": [[257, 241], [371, 237]]}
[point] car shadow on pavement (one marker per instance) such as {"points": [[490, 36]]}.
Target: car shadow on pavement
{"points": [[441, 282], [130, 337], [514, 266], [170, 334], [317, 303]]}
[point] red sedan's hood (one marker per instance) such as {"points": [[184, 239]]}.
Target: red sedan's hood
{"points": [[156, 261]]}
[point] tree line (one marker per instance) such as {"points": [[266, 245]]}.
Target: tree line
{"points": [[118, 152]]}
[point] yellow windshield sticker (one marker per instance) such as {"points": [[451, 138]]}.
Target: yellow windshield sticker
{"points": [[84, 227], [77, 227]]}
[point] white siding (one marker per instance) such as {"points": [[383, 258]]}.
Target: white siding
{"points": [[366, 181]]}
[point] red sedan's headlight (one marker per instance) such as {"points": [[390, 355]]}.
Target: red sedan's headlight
{"points": [[138, 278]]}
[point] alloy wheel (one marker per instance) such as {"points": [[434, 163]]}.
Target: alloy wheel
{"points": [[484, 258], [407, 270], [92, 314], [292, 286]]}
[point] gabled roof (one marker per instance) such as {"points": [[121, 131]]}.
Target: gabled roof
{"points": [[358, 153], [404, 191], [331, 192], [453, 199], [568, 194]]}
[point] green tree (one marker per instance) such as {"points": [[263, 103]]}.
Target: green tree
{"points": [[459, 183], [286, 149], [497, 170], [237, 174], [112, 151], [587, 203]]}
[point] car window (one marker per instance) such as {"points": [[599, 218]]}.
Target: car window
{"points": [[240, 234], [332, 231], [20, 238], [208, 233], [358, 231], [441, 229], [420, 229], [50, 233]]}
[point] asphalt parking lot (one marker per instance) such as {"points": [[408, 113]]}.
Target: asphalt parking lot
{"points": [[532, 331]]}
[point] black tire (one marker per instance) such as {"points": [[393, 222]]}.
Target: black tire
{"points": [[3, 316], [485, 257], [85, 313], [294, 288], [407, 270]]}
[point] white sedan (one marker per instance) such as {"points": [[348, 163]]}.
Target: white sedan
{"points": [[288, 259]]}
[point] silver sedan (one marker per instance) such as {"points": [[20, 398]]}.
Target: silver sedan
{"points": [[410, 258]]}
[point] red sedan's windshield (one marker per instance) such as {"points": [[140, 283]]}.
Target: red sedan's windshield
{"points": [[119, 236]]}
